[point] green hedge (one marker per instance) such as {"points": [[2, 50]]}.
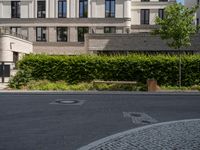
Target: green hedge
{"points": [[85, 68]]}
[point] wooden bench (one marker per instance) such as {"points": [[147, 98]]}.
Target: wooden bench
{"points": [[115, 82]]}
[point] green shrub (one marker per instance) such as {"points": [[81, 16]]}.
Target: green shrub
{"points": [[21, 78], [81, 87], [47, 85], [86, 68]]}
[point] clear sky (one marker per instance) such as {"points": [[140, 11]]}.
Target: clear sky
{"points": [[180, 1]]}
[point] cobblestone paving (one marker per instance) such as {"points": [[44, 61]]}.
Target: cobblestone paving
{"points": [[181, 135]]}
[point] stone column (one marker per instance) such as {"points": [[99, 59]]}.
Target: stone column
{"points": [[32, 34], [52, 34], [73, 34], [127, 9], [47, 9]]}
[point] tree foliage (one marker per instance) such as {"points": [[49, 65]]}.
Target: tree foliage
{"points": [[177, 26]]}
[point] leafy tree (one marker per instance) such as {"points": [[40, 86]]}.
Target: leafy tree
{"points": [[177, 27]]}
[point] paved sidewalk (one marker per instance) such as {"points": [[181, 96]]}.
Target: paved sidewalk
{"points": [[176, 135], [3, 86]]}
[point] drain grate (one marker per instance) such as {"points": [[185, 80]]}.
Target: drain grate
{"points": [[68, 102], [139, 118]]}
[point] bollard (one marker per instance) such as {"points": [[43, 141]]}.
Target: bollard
{"points": [[152, 85]]}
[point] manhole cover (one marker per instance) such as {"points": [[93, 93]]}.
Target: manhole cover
{"points": [[68, 102]]}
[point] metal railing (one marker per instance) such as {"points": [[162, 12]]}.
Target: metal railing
{"points": [[10, 32]]}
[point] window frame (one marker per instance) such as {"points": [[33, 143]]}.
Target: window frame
{"points": [[41, 39], [144, 20], [83, 5], [63, 13], [41, 13], [15, 9], [109, 13], [82, 38], [62, 39]]}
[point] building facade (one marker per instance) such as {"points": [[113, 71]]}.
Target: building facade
{"points": [[60, 26], [191, 3]]}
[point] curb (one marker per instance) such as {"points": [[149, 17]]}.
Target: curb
{"points": [[21, 92], [122, 134]]}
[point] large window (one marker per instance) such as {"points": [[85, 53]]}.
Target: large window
{"points": [[81, 32], [62, 9], [15, 9], [41, 9], [83, 8], [110, 8], [144, 16], [161, 13], [109, 29], [41, 34], [62, 34]]}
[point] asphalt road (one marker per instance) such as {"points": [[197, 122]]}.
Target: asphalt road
{"points": [[36, 122]]}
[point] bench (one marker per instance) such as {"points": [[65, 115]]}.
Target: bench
{"points": [[115, 82]]}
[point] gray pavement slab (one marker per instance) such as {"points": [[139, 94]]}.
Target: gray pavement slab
{"points": [[176, 135]]}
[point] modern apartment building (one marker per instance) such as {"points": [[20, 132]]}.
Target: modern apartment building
{"points": [[190, 3], [60, 26]]}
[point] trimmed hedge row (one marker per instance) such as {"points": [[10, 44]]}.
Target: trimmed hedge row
{"points": [[74, 69]]}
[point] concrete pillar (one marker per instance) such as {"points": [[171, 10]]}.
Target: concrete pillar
{"points": [[32, 34], [52, 9], [127, 9], [89, 8], [74, 8], [73, 34], [35, 9], [47, 9], [68, 8], [52, 34]]}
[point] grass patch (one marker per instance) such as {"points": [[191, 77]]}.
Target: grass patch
{"points": [[183, 88], [63, 86]]}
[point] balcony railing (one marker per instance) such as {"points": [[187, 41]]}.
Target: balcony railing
{"points": [[9, 32]]}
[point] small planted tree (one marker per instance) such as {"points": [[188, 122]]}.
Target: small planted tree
{"points": [[177, 27]]}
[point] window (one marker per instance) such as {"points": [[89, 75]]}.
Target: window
{"points": [[161, 13], [41, 34], [62, 34], [62, 9], [15, 30], [198, 2], [109, 29], [145, 0], [81, 32], [15, 9], [110, 8], [197, 23], [144, 16], [83, 8], [163, 0], [41, 9]]}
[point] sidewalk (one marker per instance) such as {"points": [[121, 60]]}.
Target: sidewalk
{"points": [[3, 86], [175, 135]]}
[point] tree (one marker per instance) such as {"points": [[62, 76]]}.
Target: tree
{"points": [[177, 27]]}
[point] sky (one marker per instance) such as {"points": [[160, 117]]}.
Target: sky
{"points": [[180, 1]]}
